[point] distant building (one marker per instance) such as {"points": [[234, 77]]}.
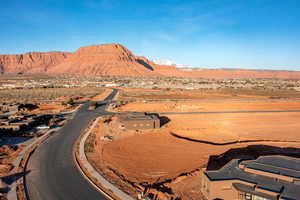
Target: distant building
{"points": [[9, 107], [18, 123], [16, 107], [112, 85], [266, 178], [139, 121]]}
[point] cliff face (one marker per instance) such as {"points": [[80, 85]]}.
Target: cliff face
{"points": [[108, 59], [116, 60], [30, 62]]}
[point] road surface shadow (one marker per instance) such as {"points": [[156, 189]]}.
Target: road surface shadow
{"points": [[9, 140], [215, 162], [14, 177]]}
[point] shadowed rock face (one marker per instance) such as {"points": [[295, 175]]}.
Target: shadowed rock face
{"points": [[116, 60]]}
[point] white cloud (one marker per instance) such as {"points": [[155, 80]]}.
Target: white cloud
{"points": [[170, 63]]}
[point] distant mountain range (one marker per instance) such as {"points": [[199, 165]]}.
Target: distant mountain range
{"points": [[117, 60]]}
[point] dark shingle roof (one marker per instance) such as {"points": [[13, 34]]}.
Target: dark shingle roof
{"points": [[274, 164], [283, 165]]}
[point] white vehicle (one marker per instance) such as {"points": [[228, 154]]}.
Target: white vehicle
{"points": [[43, 127]]}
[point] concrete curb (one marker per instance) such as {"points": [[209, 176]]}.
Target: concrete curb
{"points": [[92, 173], [23, 157]]}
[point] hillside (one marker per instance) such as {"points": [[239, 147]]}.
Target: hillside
{"points": [[34, 62], [117, 60], [108, 59]]}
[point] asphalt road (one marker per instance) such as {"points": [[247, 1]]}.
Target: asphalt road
{"points": [[52, 172]]}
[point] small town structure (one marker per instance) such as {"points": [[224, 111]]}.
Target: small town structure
{"points": [[21, 122], [4, 107], [9, 107], [266, 178], [139, 121]]}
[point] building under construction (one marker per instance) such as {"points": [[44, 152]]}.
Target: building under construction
{"points": [[139, 121]]}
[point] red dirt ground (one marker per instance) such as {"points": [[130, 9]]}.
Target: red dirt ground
{"points": [[166, 162], [149, 157], [206, 106]]}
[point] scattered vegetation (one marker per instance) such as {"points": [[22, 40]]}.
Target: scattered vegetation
{"points": [[90, 143], [39, 94]]}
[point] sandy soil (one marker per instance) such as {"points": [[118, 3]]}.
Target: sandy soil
{"points": [[222, 128], [153, 157], [102, 95], [7, 155], [50, 108], [210, 106], [219, 94], [169, 160], [147, 94], [159, 158]]}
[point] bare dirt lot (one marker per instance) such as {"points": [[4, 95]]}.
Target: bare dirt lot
{"points": [[225, 128], [168, 161], [46, 94], [50, 108], [206, 106], [7, 155], [218, 94], [148, 158]]}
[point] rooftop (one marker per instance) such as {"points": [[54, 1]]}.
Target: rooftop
{"points": [[138, 116], [282, 165]]}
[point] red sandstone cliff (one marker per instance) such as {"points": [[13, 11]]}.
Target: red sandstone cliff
{"points": [[108, 59], [116, 60], [30, 62]]}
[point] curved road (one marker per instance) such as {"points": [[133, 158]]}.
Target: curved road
{"points": [[52, 172]]}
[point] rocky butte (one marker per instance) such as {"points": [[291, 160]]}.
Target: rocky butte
{"points": [[117, 60], [108, 59]]}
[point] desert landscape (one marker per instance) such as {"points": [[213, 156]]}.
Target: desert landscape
{"points": [[29, 116], [159, 128], [205, 130], [150, 100], [203, 124], [117, 60]]}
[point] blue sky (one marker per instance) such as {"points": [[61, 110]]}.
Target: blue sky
{"points": [[263, 34]]}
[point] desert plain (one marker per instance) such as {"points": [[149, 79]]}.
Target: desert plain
{"points": [[199, 129]]}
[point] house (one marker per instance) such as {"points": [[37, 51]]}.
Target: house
{"points": [[18, 123], [266, 178], [139, 121], [9, 107]]}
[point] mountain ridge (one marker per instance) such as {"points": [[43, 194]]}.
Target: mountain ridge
{"points": [[117, 60]]}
